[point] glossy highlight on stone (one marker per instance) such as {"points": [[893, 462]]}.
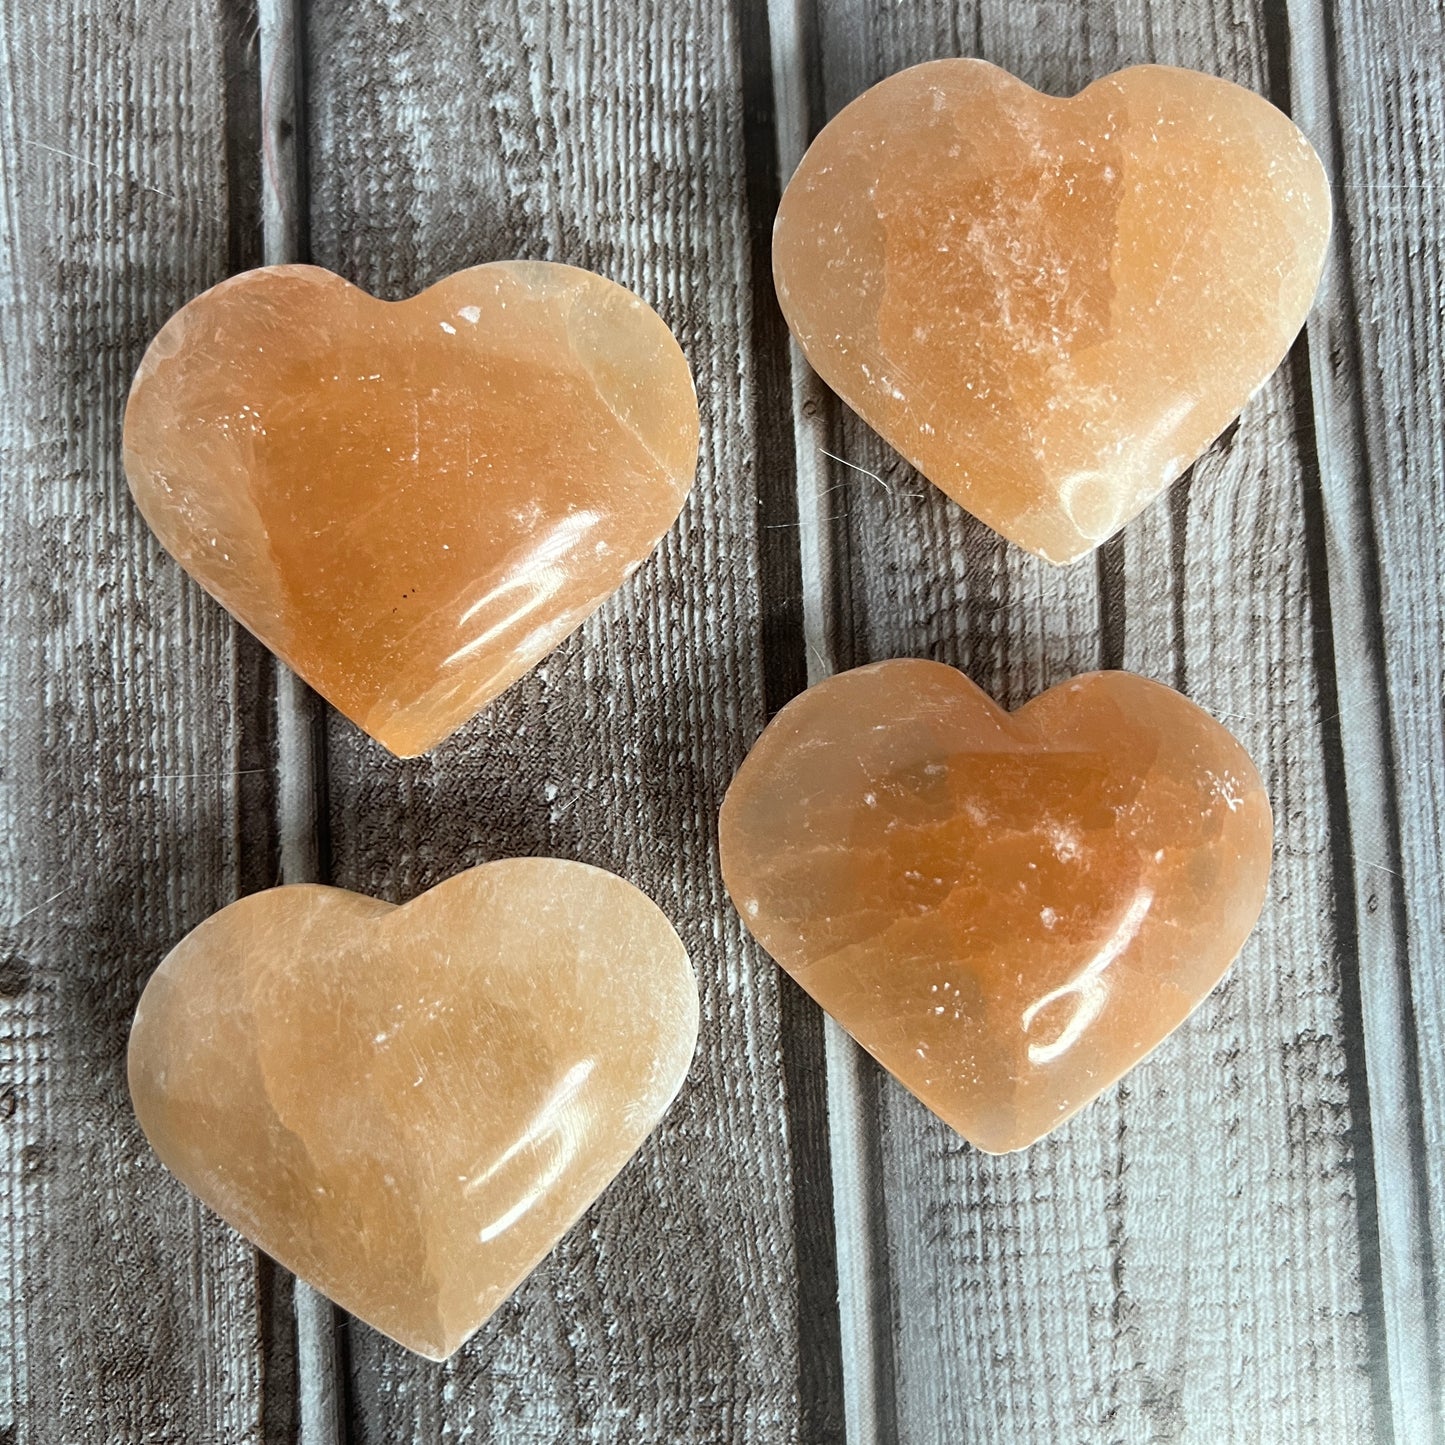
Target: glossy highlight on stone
{"points": [[1051, 307], [409, 1106], [412, 502], [1008, 911]]}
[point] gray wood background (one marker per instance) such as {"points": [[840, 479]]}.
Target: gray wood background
{"points": [[1240, 1243]]}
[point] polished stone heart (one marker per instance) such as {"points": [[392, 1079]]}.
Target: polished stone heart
{"points": [[1008, 911], [1051, 307], [412, 502], [409, 1106]]}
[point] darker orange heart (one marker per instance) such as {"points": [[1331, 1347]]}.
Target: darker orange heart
{"points": [[412, 502], [1008, 911]]}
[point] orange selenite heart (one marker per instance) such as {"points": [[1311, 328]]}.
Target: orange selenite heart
{"points": [[1051, 307], [412, 502], [409, 1106], [1008, 911]]}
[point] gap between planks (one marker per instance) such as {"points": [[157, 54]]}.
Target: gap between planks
{"points": [[863, 1307], [300, 760]]}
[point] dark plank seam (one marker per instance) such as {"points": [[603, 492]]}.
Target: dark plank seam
{"points": [[1179, 499], [784, 656], [301, 176], [241, 81], [1110, 561], [885, 1326], [299, 750], [820, 1358], [255, 675]]}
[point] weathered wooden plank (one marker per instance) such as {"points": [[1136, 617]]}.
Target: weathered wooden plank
{"points": [[134, 779], [1372, 77], [613, 137], [1188, 1259]]}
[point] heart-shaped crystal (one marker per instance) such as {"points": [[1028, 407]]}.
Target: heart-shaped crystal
{"points": [[409, 1106], [1007, 911], [1051, 307], [412, 502]]}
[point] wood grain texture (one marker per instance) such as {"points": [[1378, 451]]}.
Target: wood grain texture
{"points": [[1240, 1242], [131, 772], [1378, 72], [610, 137], [1187, 1260]]}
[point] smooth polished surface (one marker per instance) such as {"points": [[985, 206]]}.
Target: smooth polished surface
{"points": [[1006, 910], [409, 1106], [412, 502], [1051, 307]]}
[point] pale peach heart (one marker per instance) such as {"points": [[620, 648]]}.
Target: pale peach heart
{"points": [[1051, 307], [1008, 911], [409, 1106], [412, 502]]}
